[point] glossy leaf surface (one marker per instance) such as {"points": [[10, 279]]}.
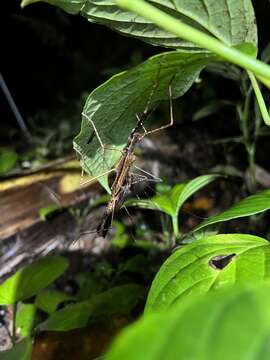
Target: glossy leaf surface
{"points": [[211, 263], [250, 205]]}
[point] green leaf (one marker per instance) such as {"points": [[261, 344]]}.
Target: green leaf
{"points": [[250, 205], [48, 300], [29, 280], [118, 300], [8, 159], [113, 106], [89, 285], [70, 6], [120, 239], [48, 210], [21, 351], [232, 22], [211, 108], [189, 270], [232, 324], [137, 264], [25, 318], [248, 49], [172, 201]]}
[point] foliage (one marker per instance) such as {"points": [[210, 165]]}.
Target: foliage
{"points": [[202, 15], [171, 201], [250, 205], [180, 69], [196, 293], [29, 280], [8, 159], [179, 276], [118, 300], [228, 324], [148, 81], [97, 297], [21, 350]]}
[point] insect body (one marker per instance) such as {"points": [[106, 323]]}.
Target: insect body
{"points": [[124, 179], [122, 182]]}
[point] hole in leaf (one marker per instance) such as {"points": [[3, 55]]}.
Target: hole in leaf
{"points": [[219, 262]]}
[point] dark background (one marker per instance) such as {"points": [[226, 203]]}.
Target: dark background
{"points": [[49, 57], [51, 60]]}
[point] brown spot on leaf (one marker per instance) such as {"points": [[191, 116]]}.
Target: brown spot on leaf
{"points": [[219, 262]]}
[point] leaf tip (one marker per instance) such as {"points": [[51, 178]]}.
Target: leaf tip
{"points": [[24, 3]]}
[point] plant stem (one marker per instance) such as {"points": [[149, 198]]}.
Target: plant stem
{"points": [[175, 226], [250, 144], [197, 37], [259, 97], [14, 314], [264, 81]]}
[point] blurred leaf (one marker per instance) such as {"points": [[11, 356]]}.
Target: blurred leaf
{"points": [[25, 319], [137, 264], [118, 300], [29, 280], [48, 300], [104, 270], [70, 6], [120, 238], [250, 205], [144, 244], [193, 268], [163, 188], [231, 22], [8, 159], [210, 109], [232, 324], [114, 116], [21, 351], [103, 199], [227, 170], [226, 70], [89, 286], [48, 210], [265, 55]]}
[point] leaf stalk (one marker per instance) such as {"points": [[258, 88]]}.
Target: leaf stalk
{"points": [[195, 36]]}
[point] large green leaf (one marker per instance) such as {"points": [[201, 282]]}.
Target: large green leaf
{"points": [[231, 21], [232, 324], [118, 300], [21, 351], [29, 280], [113, 106], [250, 205], [189, 270]]}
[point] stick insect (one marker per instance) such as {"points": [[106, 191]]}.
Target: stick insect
{"points": [[124, 179]]}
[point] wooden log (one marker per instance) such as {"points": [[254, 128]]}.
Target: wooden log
{"points": [[24, 234]]}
